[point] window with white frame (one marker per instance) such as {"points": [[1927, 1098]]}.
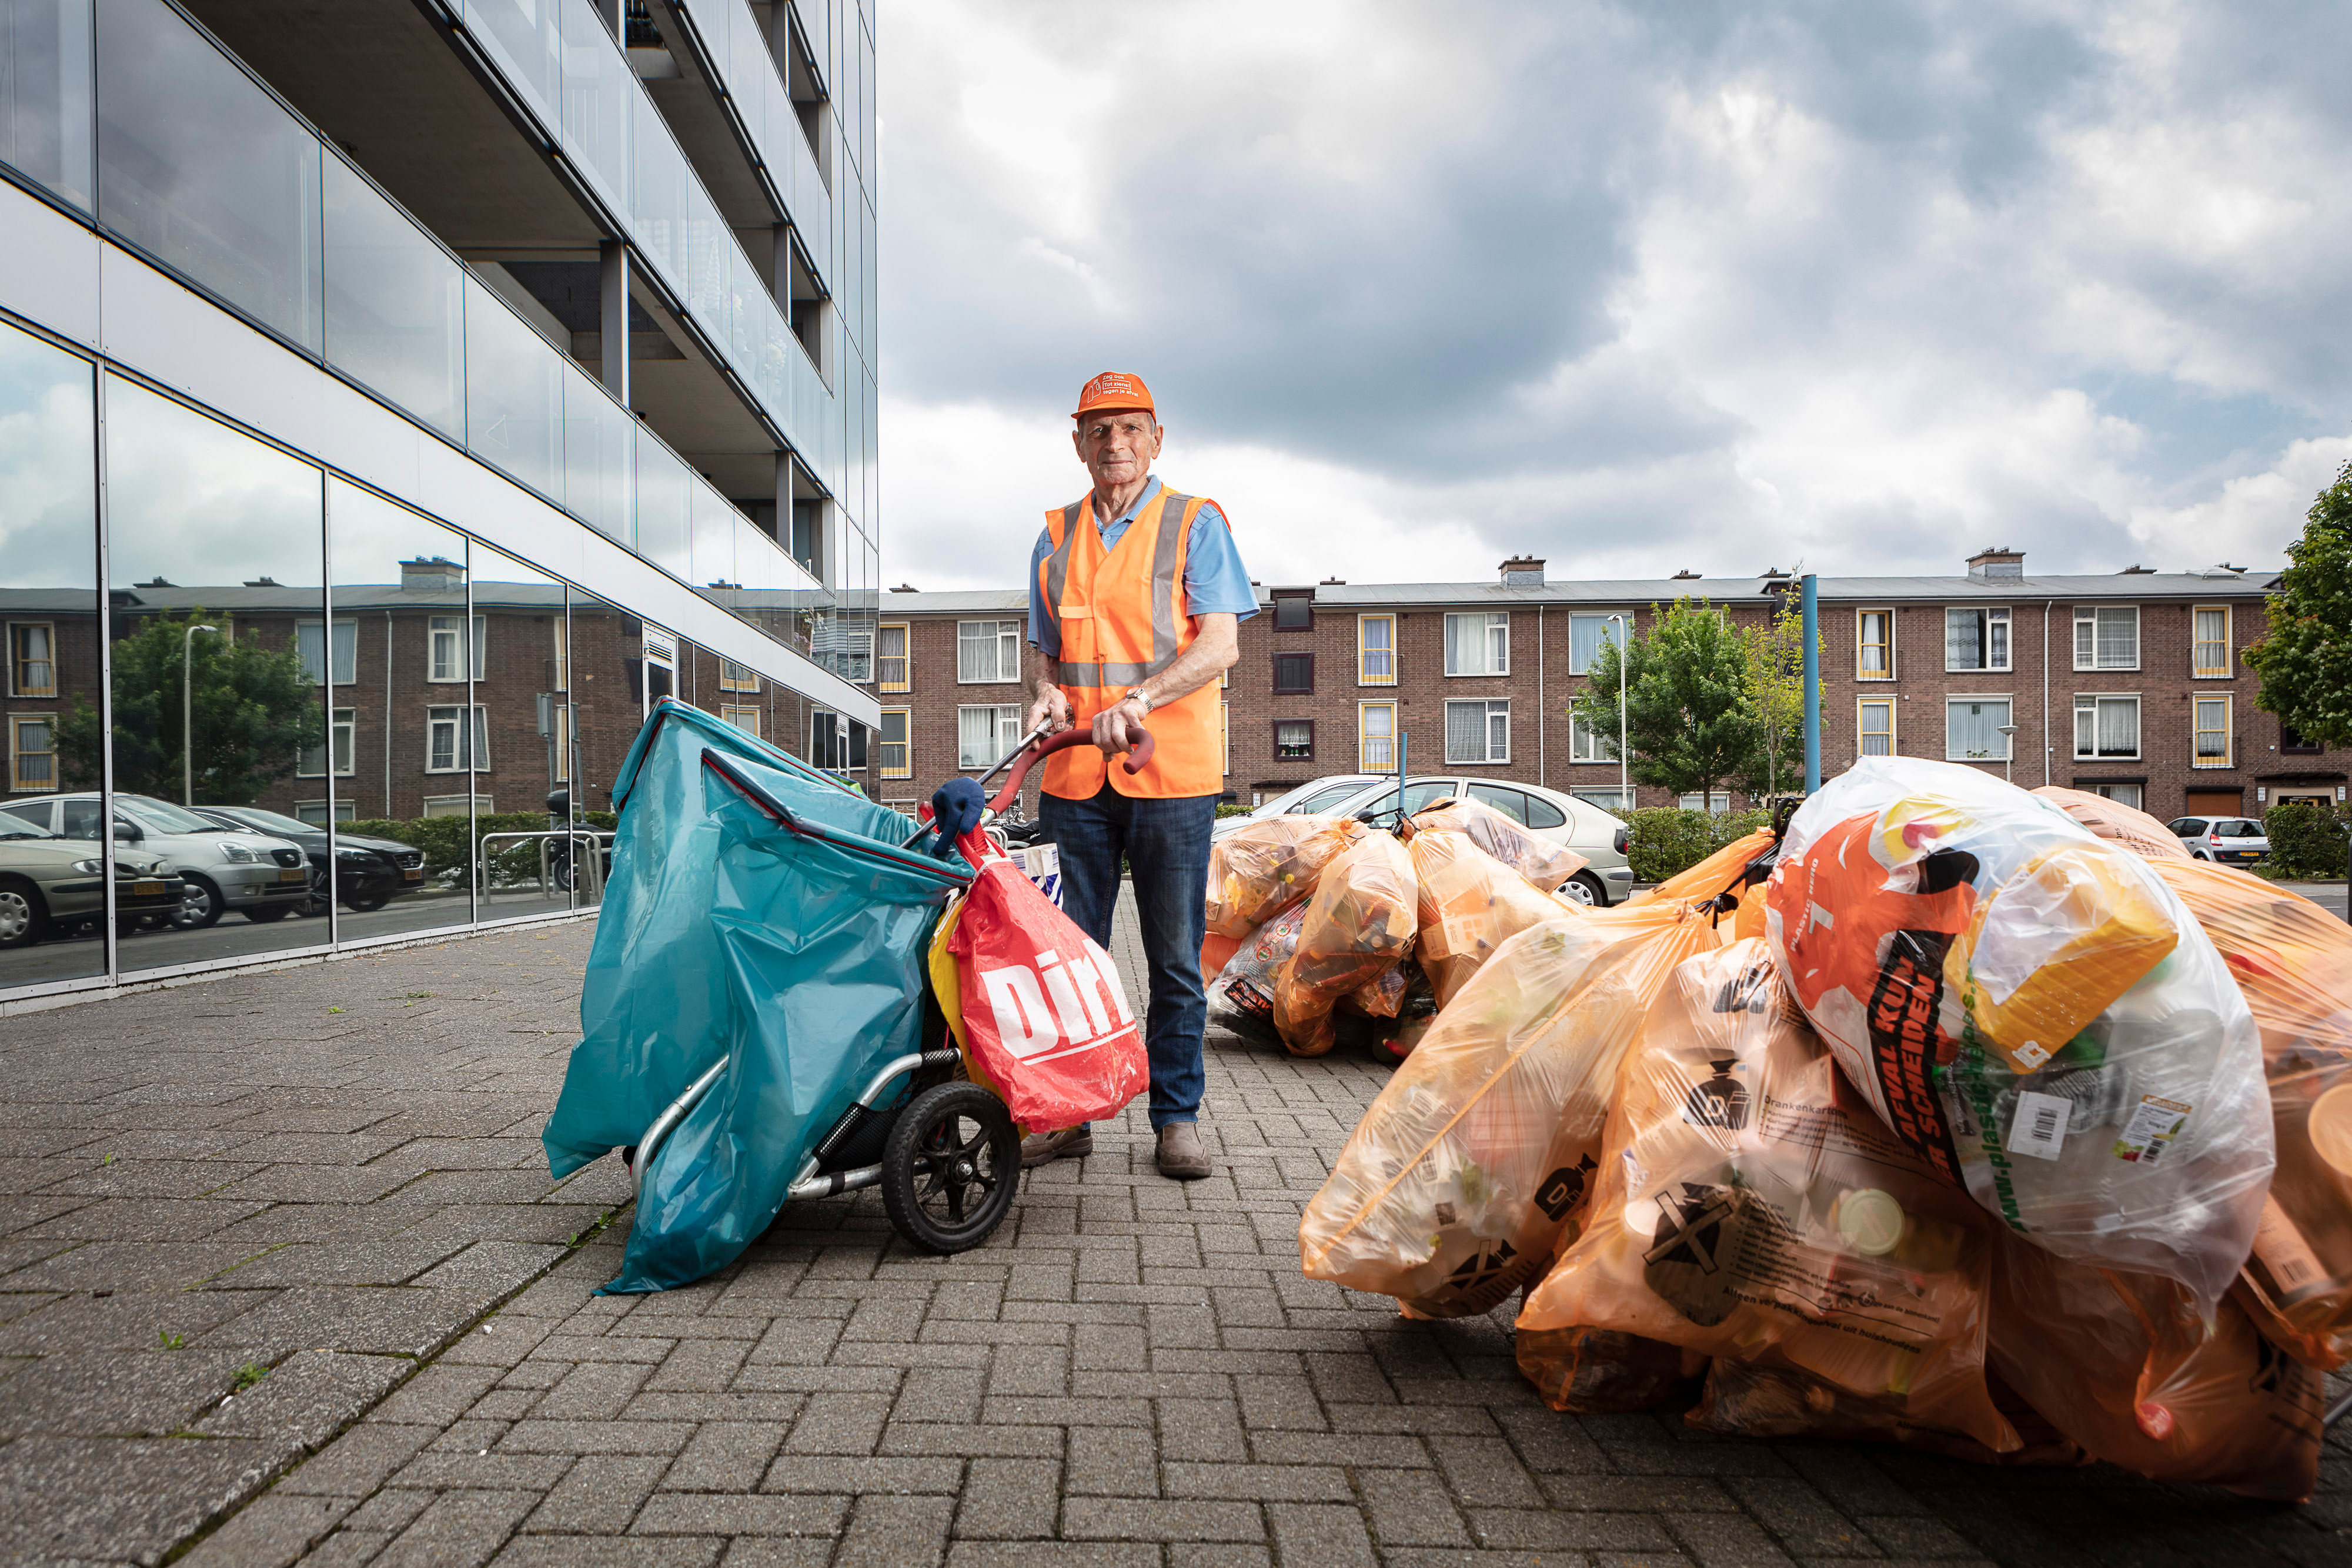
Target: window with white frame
{"points": [[2130, 795], [984, 735], [456, 805], [1874, 652], [316, 812], [2107, 636], [1874, 727], [1376, 737], [1972, 730], [1586, 744], [1975, 639], [744, 718], [890, 669], [312, 761], [1586, 633], [2213, 737], [32, 753], [1478, 731], [1478, 643], [2212, 652], [898, 758], [32, 659], [1376, 650], [451, 745], [988, 653], [1714, 801], [2105, 727], [446, 658], [1614, 801], [311, 642]]}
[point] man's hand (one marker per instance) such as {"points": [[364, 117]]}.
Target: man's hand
{"points": [[1113, 725], [1049, 708]]}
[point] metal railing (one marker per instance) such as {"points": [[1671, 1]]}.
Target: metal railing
{"points": [[587, 853]]}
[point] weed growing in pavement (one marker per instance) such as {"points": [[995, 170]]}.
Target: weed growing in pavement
{"points": [[107, 1161], [172, 1341], [251, 1372], [334, 1009]]}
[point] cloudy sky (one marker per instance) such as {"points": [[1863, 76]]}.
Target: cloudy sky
{"points": [[1716, 286]]}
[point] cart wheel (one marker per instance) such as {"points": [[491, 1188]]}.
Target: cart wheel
{"points": [[950, 1168]]}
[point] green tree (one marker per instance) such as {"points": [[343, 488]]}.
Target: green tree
{"points": [[1775, 697], [253, 710], [1687, 713], [2305, 657]]}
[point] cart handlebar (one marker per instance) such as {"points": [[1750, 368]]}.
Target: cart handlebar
{"points": [[1140, 744]]}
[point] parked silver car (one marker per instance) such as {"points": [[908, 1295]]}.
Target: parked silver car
{"points": [[2228, 841], [261, 877], [1315, 795], [1597, 835]]}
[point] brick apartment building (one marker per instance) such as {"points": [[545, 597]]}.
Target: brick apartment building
{"points": [[2131, 684]]}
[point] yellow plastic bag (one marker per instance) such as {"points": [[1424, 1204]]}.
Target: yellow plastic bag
{"points": [[1470, 905], [1259, 870], [1745, 1210], [1360, 923], [1545, 865], [1454, 1189]]}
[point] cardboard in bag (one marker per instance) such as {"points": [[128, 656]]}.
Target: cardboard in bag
{"points": [[2033, 1012], [1747, 1209], [1455, 1187], [1360, 923], [1258, 870], [1544, 865], [1241, 997], [1470, 905]]}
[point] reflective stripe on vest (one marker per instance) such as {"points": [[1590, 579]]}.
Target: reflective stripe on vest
{"points": [[1165, 585]]}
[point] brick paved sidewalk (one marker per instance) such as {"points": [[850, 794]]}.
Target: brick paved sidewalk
{"points": [[1134, 1372]]}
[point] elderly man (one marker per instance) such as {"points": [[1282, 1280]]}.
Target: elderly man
{"points": [[1134, 595]]}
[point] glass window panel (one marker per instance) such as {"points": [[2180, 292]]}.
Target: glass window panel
{"points": [[2212, 653], [512, 752], [599, 451], [522, 36], [396, 304], [1877, 727], [1585, 636], [603, 647], [203, 170], [514, 393], [1376, 650], [664, 518], [47, 130], [1874, 655], [658, 181], [890, 657], [599, 91], [1376, 736], [1478, 643], [2212, 732], [715, 520], [984, 735], [1972, 731]]}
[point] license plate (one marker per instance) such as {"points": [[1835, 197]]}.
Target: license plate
{"points": [[146, 890], [413, 873], [295, 875]]}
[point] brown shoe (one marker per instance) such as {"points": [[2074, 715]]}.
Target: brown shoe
{"points": [[1181, 1157], [1069, 1143]]}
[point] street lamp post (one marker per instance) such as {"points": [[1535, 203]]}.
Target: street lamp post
{"points": [[187, 707], [1625, 770], [2008, 752]]}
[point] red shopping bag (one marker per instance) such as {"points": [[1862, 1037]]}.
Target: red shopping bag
{"points": [[1042, 1013]]}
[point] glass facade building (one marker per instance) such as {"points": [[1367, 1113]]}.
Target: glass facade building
{"points": [[391, 409]]}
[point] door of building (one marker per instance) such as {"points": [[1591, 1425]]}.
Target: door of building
{"points": [[661, 667], [2213, 802]]}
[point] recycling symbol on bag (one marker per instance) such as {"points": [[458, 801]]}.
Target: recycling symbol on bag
{"points": [[1563, 1188], [1697, 1237], [1490, 1259], [1718, 1102]]}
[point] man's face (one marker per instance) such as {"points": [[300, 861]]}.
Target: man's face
{"points": [[1116, 445]]}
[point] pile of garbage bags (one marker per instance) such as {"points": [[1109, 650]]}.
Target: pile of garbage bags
{"points": [[1954, 1115]]}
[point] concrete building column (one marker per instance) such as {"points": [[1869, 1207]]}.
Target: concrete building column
{"points": [[612, 257]]}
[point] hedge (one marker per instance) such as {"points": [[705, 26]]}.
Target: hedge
{"points": [[2308, 840], [1665, 840], [443, 840]]}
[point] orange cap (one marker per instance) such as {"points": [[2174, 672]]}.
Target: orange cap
{"points": [[1115, 389]]}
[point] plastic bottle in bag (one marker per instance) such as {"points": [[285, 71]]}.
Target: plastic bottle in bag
{"points": [[2122, 1364], [2033, 1011], [1545, 865], [1743, 1212], [1360, 922], [1241, 997], [1470, 905], [1258, 870], [1456, 1185]]}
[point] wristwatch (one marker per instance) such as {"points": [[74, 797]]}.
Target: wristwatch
{"points": [[1137, 694]]}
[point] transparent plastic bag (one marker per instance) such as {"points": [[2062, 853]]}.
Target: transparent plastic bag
{"points": [[2135, 829], [1360, 923], [1241, 996], [2121, 1363], [1543, 863], [1601, 1372], [1746, 1210], [1456, 1185], [1725, 871], [2033, 1011], [1470, 905], [1258, 870]]}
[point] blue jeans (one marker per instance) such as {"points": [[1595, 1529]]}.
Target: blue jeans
{"points": [[1166, 846]]}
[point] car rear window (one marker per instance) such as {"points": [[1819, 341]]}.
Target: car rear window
{"points": [[1324, 799], [1512, 803], [1542, 813], [2188, 827], [2238, 827]]}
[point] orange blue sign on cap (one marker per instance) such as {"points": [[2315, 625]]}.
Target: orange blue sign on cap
{"points": [[1114, 389]]}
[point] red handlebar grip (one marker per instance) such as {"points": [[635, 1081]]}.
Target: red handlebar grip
{"points": [[1139, 749]]}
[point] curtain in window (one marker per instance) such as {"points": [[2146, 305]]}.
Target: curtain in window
{"points": [[2212, 729], [1874, 643], [1963, 640], [1375, 733], [1973, 730], [978, 744], [1291, 739], [1877, 730], [2119, 727], [1466, 732], [1478, 644], [1498, 731], [1378, 635], [2212, 640], [2118, 644], [1586, 633]]}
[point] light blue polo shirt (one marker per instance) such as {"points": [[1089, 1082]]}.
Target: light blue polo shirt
{"points": [[1215, 581]]}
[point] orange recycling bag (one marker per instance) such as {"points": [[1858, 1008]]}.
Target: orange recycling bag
{"points": [[1360, 923], [1545, 865], [1241, 997], [2121, 1363], [1601, 1372], [1455, 1187], [1258, 870], [1470, 904], [2135, 829], [1746, 1209], [2033, 1011], [1725, 871]]}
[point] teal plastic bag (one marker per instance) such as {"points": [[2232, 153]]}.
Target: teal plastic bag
{"points": [[792, 951]]}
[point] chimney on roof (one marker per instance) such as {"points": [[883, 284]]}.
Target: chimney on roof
{"points": [[1772, 573], [264, 580], [2137, 571], [1523, 572], [905, 588], [1684, 576], [1335, 582], [2001, 562], [431, 576]]}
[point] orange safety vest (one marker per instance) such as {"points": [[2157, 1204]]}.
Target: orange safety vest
{"points": [[1123, 618]]}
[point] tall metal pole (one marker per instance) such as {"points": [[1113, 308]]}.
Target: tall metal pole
{"points": [[1624, 749], [187, 735], [1813, 684]]}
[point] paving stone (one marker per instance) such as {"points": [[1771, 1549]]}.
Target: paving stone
{"points": [[1147, 1519], [1008, 1499], [598, 1495], [1319, 1536]]}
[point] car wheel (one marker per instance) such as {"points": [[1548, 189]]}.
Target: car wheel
{"points": [[1585, 888], [266, 914], [200, 905], [23, 916], [368, 905]]}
